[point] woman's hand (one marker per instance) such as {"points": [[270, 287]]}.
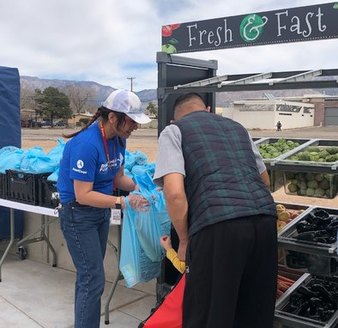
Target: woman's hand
{"points": [[136, 202]]}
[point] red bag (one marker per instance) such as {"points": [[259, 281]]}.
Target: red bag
{"points": [[169, 313]]}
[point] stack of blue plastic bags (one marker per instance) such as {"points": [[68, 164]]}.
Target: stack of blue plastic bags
{"points": [[141, 252], [33, 160]]}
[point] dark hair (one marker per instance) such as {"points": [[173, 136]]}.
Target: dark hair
{"points": [[187, 97], [102, 112]]}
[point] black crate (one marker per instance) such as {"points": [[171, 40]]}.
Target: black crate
{"points": [[48, 195], [3, 186], [23, 187]]}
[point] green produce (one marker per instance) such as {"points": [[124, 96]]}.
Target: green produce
{"points": [[319, 154], [275, 149], [311, 184]]}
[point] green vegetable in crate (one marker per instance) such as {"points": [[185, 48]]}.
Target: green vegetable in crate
{"points": [[319, 177], [319, 192], [301, 184], [310, 192], [313, 184], [324, 184], [273, 150], [304, 156], [313, 149], [301, 192], [331, 158], [292, 187], [317, 154], [332, 150]]}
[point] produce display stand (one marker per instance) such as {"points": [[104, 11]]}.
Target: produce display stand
{"points": [[174, 80], [288, 238], [286, 319], [284, 161], [270, 162], [322, 264]]}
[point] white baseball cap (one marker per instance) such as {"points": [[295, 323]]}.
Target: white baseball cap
{"points": [[127, 102]]}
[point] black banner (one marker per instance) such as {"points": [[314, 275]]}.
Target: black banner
{"points": [[308, 23]]}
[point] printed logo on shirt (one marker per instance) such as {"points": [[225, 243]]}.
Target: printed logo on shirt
{"points": [[79, 164], [114, 163]]}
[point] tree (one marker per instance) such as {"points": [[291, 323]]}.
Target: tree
{"points": [[152, 109], [26, 98], [52, 104], [79, 97]]}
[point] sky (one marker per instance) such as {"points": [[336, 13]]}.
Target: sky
{"points": [[109, 41]]}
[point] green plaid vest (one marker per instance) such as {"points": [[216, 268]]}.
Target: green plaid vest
{"points": [[222, 180]]}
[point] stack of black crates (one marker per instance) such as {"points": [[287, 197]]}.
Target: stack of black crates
{"points": [[29, 188]]}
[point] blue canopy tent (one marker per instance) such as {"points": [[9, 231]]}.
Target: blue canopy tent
{"points": [[10, 134]]}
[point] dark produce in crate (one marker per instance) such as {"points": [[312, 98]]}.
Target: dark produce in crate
{"points": [[314, 230], [316, 300], [318, 226]]}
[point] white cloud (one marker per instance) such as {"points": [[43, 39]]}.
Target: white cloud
{"points": [[108, 40]]}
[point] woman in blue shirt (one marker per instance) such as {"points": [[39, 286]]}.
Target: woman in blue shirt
{"points": [[90, 169]]}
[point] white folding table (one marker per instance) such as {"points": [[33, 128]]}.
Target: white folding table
{"points": [[43, 211]]}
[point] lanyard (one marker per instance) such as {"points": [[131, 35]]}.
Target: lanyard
{"points": [[105, 144]]}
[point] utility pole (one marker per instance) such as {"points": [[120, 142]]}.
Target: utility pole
{"points": [[131, 82]]}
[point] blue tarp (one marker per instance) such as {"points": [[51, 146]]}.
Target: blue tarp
{"points": [[10, 127], [10, 134]]}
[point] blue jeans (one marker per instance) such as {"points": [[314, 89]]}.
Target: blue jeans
{"points": [[85, 229]]}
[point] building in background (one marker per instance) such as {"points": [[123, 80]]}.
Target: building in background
{"points": [[292, 112]]}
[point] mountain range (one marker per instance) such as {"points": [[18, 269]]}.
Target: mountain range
{"points": [[100, 92]]}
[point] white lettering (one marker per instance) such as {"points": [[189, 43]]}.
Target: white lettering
{"points": [[295, 27], [191, 38], [204, 32], [218, 33], [79, 171], [308, 23], [211, 34], [321, 27], [227, 32], [301, 25], [281, 27]]}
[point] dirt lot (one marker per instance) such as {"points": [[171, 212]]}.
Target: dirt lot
{"points": [[145, 140]]}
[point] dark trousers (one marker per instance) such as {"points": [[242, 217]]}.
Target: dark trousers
{"points": [[232, 277]]}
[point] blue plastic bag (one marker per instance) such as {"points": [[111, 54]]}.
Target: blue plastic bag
{"points": [[36, 161], [10, 158], [151, 224], [134, 265], [148, 229], [55, 154], [54, 176]]}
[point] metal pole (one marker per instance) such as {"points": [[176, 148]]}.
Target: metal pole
{"points": [[131, 82]]}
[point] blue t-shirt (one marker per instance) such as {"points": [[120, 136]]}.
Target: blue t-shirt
{"points": [[84, 158]]}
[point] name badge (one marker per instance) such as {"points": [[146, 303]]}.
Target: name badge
{"points": [[115, 216]]}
